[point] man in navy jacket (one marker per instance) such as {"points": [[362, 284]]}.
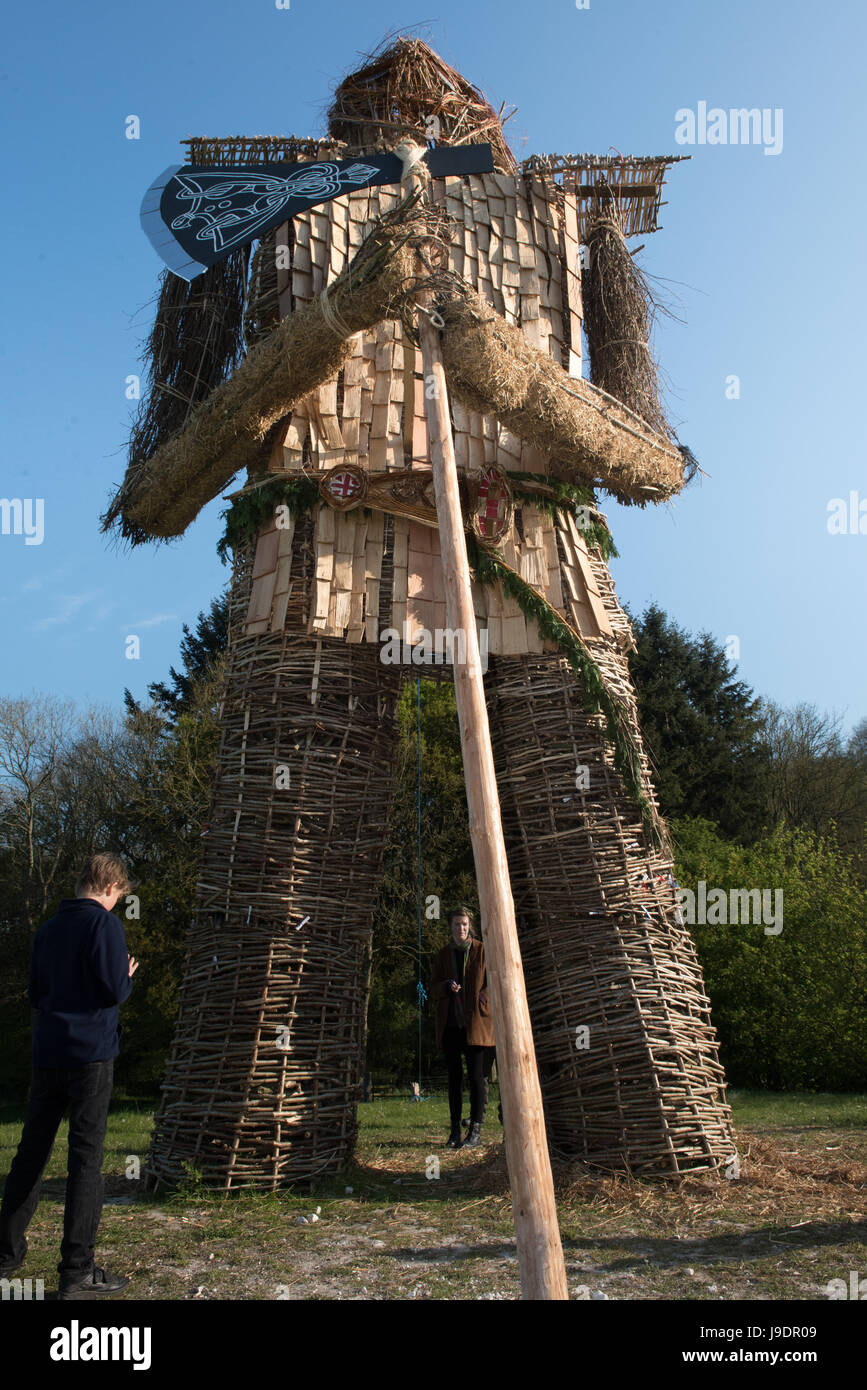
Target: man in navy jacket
{"points": [[80, 972]]}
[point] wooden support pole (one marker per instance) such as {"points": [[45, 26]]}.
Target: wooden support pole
{"points": [[540, 1254], [537, 1233]]}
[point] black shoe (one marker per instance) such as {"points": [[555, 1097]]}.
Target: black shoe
{"points": [[474, 1138], [455, 1139], [10, 1268], [96, 1281]]}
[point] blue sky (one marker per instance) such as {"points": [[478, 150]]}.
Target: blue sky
{"points": [[759, 253]]}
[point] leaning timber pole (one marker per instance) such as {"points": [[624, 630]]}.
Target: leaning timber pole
{"points": [[540, 1254], [537, 1234]]}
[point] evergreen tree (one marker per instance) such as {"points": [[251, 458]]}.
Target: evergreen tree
{"points": [[200, 652], [702, 727]]}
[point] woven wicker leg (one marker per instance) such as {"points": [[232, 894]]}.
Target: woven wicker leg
{"points": [[643, 1089], [264, 1075]]}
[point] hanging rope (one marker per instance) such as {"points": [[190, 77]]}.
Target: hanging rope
{"points": [[421, 992]]}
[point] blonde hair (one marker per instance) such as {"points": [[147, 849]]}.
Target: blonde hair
{"points": [[99, 873]]}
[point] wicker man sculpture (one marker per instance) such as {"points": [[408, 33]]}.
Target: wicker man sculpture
{"points": [[337, 557]]}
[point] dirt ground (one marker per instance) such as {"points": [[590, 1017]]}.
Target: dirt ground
{"points": [[391, 1228]]}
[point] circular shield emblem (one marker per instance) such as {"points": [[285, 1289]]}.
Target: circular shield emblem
{"points": [[343, 487], [492, 505]]}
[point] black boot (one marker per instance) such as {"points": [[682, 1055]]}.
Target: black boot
{"points": [[455, 1139], [474, 1138], [96, 1281]]}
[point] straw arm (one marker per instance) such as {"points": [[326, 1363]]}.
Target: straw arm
{"points": [[587, 435], [162, 496]]}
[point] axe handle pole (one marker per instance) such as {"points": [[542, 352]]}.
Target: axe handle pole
{"points": [[537, 1233]]}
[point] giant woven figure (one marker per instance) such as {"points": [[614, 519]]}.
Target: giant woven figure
{"points": [[335, 542]]}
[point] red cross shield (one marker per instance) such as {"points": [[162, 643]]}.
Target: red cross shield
{"points": [[343, 487], [492, 505]]}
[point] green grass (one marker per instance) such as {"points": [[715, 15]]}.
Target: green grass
{"points": [[795, 1220], [800, 1108]]}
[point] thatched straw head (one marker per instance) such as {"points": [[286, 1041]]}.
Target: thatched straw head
{"points": [[406, 90], [618, 317]]}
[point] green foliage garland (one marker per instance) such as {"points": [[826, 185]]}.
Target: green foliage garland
{"points": [[250, 512], [489, 568], [569, 497]]}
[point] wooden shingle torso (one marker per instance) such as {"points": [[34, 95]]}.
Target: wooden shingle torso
{"points": [[520, 251]]}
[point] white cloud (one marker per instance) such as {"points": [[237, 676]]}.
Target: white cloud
{"points": [[69, 605], [153, 622]]}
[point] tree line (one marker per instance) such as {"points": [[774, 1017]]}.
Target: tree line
{"points": [[756, 796]]}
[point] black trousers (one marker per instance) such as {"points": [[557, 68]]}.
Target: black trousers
{"points": [[86, 1091], [479, 1063]]}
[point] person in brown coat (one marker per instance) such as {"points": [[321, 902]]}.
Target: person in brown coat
{"points": [[464, 1026]]}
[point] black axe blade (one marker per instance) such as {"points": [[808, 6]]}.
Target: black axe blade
{"points": [[195, 215]]}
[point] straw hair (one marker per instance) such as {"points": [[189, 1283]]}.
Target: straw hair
{"points": [[618, 316], [195, 343], [406, 91]]}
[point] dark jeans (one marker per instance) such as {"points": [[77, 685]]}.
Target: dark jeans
{"points": [[479, 1063], [86, 1091]]}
